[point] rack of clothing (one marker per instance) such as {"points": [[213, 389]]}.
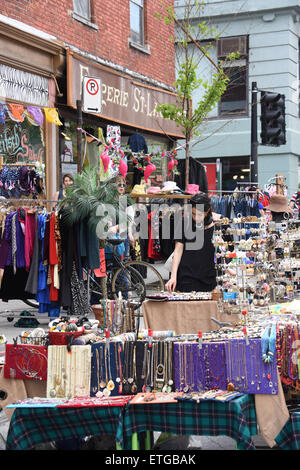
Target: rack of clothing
{"points": [[41, 258], [19, 180]]}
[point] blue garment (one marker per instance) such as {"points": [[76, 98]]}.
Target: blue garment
{"points": [[43, 293]]}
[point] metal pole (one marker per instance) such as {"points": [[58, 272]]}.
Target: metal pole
{"points": [[79, 136], [254, 141]]}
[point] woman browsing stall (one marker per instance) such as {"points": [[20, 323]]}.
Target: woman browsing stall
{"points": [[193, 265]]}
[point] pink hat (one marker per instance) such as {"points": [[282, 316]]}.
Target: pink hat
{"points": [[192, 189], [153, 189]]}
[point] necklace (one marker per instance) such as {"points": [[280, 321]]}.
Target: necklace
{"points": [[126, 387], [148, 375], [110, 385], [102, 383], [120, 369], [134, 385], [192, 368], [160, 368], [106, 391], [186, 386]]}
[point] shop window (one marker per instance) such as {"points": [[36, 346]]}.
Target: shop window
{"points": [[137, 21], [235, 99]]}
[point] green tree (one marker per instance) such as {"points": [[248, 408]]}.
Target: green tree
{"points": [[191, 37]]}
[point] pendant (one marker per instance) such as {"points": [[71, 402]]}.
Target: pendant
{"points": [[110, 385], [106, 393], [230, 387], [102, 384], [134, 388], [147, 389], [126, 389], [52, 393], [160, 369], [120, 389], [99, 394], [186, 389], [118, 380], [170, 382], [168, 389], [130, 380]]}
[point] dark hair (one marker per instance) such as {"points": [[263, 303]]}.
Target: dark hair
{"points": [[201, 198], [67, 175]]}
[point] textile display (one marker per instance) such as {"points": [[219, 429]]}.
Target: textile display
{"points": [[235, 419], [68, 374], [26, 362], [183, 317], [219, 364]]}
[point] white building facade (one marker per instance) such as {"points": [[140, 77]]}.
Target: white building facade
{"points": [[267, 36]]}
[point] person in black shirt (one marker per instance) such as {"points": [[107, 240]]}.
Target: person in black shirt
{"points": [[193, 265]]}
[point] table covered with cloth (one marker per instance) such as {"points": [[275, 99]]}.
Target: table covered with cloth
{"points": [[235, 419], [289, 436], [183, 317], [30, 427]]}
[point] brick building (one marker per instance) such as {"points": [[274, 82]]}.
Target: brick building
{"points": [[47, 47]]}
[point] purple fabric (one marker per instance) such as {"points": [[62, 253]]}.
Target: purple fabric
{"points": [[7, 237], [20, 255]]}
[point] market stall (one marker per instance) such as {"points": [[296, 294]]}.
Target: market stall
{"points": [[232, 362]]}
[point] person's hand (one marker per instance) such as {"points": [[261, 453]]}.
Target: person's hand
{"points": [[113, 230], [171, 284], [132, 241]]}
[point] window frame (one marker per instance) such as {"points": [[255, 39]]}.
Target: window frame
{"points": [[83, 19], [142, 19], [244, 57], [75, 10]]}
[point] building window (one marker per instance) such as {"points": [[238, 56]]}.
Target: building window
{"points": [[137, 21], [235, 98], [82, 8]]}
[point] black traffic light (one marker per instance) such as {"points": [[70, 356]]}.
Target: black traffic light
{"points": [[272, 119]]}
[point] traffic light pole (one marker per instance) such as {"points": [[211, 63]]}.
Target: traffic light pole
{"points": [[254, 141]]}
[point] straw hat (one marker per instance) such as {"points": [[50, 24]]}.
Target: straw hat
{"points": [[169, 186], [278, 203]]}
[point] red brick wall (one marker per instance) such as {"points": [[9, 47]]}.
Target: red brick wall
{"points": [[110, 41]]}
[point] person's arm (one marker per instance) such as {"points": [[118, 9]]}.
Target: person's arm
{"points": [[171, 284]]}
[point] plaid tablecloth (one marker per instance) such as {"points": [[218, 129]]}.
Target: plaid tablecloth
{"points": [[289, 436], [32, 426], [236, 419]]}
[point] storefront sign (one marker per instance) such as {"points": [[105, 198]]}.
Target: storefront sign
{"points": [[20, 142], [124, 100]]}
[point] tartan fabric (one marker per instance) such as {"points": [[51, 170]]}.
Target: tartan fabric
{"points": [[236, 419], [32, 426], [289, 436]]}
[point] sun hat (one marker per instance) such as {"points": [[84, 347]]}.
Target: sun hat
{"points": [[153, 190], [192, 189], [278, 203], [169, 186], [138, 189]]}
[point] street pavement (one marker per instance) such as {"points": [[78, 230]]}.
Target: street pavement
{"points": [[13, 309]]}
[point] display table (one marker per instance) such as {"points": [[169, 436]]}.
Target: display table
{"points": [[30, 427], [289, 437], [183, 317], [14, 390], [235, 419]]}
